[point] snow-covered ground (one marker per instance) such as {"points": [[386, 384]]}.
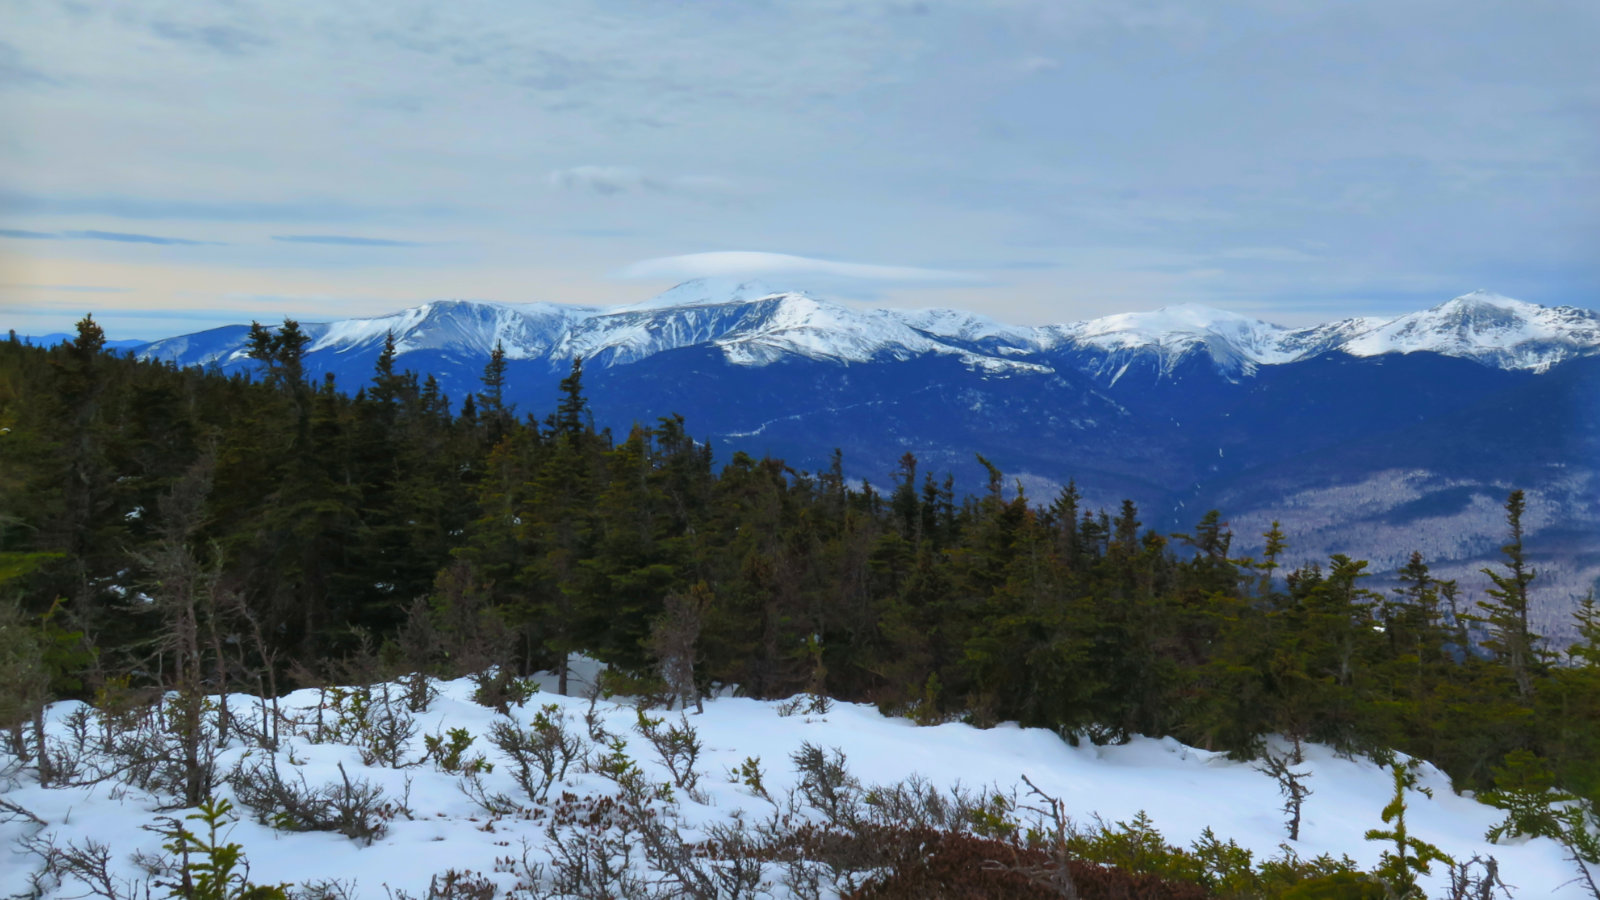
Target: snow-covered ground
{"points": [[1183, 790]]}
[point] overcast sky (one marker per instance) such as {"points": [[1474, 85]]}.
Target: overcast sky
{"points": [[173, 166]]}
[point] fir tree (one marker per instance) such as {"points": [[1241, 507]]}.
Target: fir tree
{"points": [[571, 417], [1411, 855], [491, 407], [1506, 614]]}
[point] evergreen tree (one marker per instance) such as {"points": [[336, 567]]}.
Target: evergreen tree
{"points": [[1505, 615], [491, 407], [1411, 855], [571, 418]]}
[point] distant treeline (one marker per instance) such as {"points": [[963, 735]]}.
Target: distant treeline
{"points": [[289, 527]]}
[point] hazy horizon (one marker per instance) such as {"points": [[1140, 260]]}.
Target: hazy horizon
{"points": [[118, 328]]}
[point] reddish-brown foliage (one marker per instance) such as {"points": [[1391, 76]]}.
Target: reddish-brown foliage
{"points": [[933, 864]]}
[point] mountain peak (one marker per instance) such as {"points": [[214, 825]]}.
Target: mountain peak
{"points": [[1183, 317], [709, 292], [1489, 327], [1170, 326], [1486, 300]]}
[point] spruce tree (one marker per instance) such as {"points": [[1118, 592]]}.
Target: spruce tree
{"points": [[572, 417], [491, 407], [1505, 615]]}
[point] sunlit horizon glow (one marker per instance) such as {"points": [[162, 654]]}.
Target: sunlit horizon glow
{"points": [[171, 167]]}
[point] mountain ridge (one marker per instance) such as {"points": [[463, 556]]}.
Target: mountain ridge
{"points": [[754, 325]]}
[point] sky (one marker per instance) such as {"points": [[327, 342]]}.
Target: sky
{"points": [[172, 166]]}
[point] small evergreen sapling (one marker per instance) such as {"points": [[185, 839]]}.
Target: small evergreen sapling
{"points": [[449, 754], [1411, 856], [1535, 807], [748, 773], [1525, 788], [207, 869]]}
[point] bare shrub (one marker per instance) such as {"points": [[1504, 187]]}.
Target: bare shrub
{"points": [[153, 749], [594, 850], [1291, 783], [354, 808], [591, 717], [827, 785], [726, 866], [672, 642], [373, 720], [495, 804], [678, 747], [471, 636], [1050, 840], [71, 752], [805, 704], [87, 864], [418, 691], [453, 885], [15, 812], [916, 803], [325, 889], [1477, 879], [540, 755]]}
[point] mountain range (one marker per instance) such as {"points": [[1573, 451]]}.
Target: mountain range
{"points": [[1371, 437], [753, 325]]}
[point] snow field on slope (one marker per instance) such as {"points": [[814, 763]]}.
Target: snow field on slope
{"points": [[1183, 789]]}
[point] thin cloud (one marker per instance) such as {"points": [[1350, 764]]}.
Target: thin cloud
{"points": [[1270, 254], [123, 237], [14, 72], [300, 212], [29, 235], [70, 288], [742, 264], [225, 39], [604, 180], [343, 240], [609, 181]]}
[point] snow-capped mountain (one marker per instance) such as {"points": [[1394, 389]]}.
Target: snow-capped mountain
{"points": [[458, 326], [1489, 328], [752, 325], [1481, 326], [749, 332]]}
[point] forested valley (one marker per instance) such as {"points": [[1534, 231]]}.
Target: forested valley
{"points": [[163, 528]]}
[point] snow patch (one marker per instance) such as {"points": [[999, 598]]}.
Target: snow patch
{"points": [[1183, 790]]}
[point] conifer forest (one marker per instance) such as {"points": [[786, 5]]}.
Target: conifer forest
{"points": [[166, 529]]}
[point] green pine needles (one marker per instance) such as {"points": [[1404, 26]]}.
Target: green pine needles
{"points": [[1411, 855], [208, 869]]}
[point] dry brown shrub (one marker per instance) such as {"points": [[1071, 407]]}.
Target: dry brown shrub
{"points": [[955, 866]]}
